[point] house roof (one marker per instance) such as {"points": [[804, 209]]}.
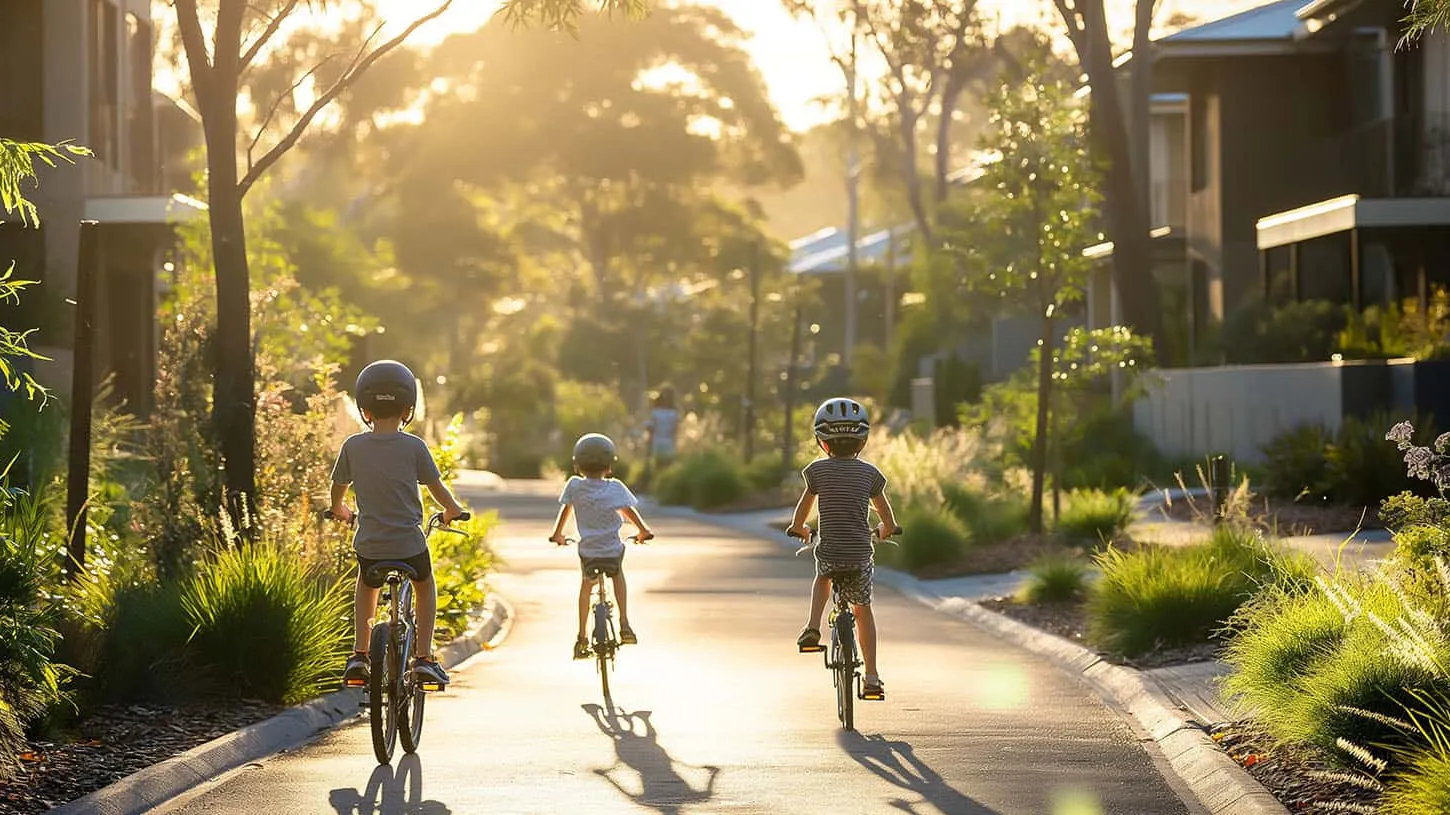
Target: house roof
{"points": [[1272, 28], [825, 251]]}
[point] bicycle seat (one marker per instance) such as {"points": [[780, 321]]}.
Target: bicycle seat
{"points": [[379, 571]]}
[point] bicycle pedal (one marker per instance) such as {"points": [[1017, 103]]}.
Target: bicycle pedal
{"points": [[430, 687], [355, 683], [811, 649], [874, 697]]}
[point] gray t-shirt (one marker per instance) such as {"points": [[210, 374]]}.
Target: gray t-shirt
{"points": [[385, 470]]}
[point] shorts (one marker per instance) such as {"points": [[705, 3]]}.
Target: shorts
{"points": [[422, 563], [592, 567], [853, 580]]}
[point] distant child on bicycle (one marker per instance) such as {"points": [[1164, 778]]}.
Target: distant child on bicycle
{"points": [[600, 505], [384, 468], [847, 488]]}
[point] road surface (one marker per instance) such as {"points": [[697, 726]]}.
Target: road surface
{"points": [[715, 712]]}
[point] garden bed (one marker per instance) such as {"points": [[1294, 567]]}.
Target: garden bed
{"points": [[114, 742], [1282, 518], [1298, 777], [1069, 621], [782, 498], [1010, 555]]}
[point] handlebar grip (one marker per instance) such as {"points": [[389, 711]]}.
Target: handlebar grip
{"points": [[464, 516]]}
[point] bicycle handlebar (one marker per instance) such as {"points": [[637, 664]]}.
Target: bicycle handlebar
{"points": [[814, 539], [435, 522], [639, 539]]}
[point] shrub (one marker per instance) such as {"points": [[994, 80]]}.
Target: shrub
{"points": [[1281, 636], [141, 654], [1363, 467], [703, 480], [1096, 515], [1423, 785], [765, 472], [1261, 332], [1055, 579], [1295, 462], [460, 563], [1165, 597], [30, 680], [991, 518], [264, 626], [933, 537], [1103, 449]]}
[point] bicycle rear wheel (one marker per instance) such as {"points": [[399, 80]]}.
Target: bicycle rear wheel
{"points": [[845, 676], [603, 646], [410, 709], [381, 690]]}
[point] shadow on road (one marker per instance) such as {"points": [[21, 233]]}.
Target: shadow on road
{"points": [[897, 763], [636, 744], [389, 793]]}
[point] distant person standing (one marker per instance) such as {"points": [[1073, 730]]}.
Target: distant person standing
{"points": [[664, 427]]}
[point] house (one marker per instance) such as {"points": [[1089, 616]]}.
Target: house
{"points": [[81, 71]]}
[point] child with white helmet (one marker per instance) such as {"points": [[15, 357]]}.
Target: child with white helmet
{"points": [[600, 505], [846, 488]]}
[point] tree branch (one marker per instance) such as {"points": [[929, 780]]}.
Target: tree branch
{"points": [[1072, 17], [270, 31], [277, 103], [193, 41], [351, 75]]}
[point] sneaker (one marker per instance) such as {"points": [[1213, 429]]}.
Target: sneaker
{"points": [[627, 637], [581, 649], [809, 640], [355, 675], [428, 670], [872, 689]]}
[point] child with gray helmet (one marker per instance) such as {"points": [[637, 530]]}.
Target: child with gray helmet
{"points": [[384, 467], [599, 504], [847, 489]]}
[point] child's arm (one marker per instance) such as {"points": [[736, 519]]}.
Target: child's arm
{"points": [[558, 536], [445, 499], [632, 515], [888, 526], [339, 509], [803, 509]]}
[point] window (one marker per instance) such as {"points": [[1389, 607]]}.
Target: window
{"points": [[140, 112], [105, 130]]}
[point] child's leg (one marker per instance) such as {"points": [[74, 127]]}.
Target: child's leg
{"points": [[586, 585], [621, 595], [820, 595], [425, 603], [866, 633], [364, 604]]}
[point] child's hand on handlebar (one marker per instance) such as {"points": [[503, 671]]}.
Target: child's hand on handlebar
{"points": [[644, 535], [340, 512], [882, 533], [803, 532], [558, 539]]}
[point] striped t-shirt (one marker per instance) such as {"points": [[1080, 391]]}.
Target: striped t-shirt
{"points": [[844, 488]]}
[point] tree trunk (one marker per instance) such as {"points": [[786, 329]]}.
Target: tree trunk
{"points": [[1141, 104], [912, 175], [949, 97], [1127, 219], [234, 396], [1039, 442]]}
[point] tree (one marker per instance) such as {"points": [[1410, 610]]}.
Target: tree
{"points": [[241, 34], [1425, 16], [1126, 181], [1021, 242]]}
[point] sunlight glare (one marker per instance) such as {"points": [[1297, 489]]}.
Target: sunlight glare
{"points": [[1076, 802], [1001, 687]]}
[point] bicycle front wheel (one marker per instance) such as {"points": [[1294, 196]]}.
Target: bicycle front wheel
{"points": [[381, 688], [845, 686]]}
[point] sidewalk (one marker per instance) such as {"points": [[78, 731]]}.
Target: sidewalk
{"points": [[1194, 686]]}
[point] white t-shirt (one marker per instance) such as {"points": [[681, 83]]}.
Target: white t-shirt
{"points": [[596, 503], [665, 422]]}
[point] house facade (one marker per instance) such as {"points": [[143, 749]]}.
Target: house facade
{"points": [[81, 71]]}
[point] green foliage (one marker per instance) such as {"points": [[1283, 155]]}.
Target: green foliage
{"points": [[141, 631], [991, 517], [954, 382], [1096, 515], [933, 537], [1424, 16], [1354, 466], [918, 467], [703, 480], [1295, 464], [1165, 597], [1055, 579], [1423, 784], [17, 167], [460, 563], [586, 407], [1260, 332], [266, 627], [565, 14], [1281, 636], [1399, 330], [30, 681]]}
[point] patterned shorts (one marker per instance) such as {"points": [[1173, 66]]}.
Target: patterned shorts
{"points": [[852, 579]]}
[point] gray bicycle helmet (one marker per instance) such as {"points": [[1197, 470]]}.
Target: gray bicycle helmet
{"points": [[594, 450], [385, 382], [842, 418]]}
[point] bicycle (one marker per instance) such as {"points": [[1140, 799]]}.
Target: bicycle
{"points": [[603, 642], [843, 657], [395, 696]]}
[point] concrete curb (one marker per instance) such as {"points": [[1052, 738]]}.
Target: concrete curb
{"points": [[1216, 780], [159, 783]]}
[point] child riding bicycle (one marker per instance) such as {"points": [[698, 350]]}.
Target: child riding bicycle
{"points": [[384, 467], [600, 505], [846, 488]]}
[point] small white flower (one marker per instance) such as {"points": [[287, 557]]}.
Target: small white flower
{"points": [[1401, 433]]}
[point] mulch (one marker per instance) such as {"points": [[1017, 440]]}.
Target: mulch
{"points": [[111, 743], [1070, 621], [1299, 777], [1283, 518]]}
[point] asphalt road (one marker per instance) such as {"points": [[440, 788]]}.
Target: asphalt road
{"points": [[714, 711]]}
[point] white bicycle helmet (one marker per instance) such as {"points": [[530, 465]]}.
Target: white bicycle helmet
{"points": [[842, 418]]}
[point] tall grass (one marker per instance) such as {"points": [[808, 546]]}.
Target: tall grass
{"points": [[933, 537], [1423, 785], [916, 467], [264, 626], [702, 480], [1166, 597], [1096, 515], [1055, 579], [992, 518]]}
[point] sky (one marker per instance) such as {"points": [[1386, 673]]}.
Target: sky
{"points": [[793, 55]]}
